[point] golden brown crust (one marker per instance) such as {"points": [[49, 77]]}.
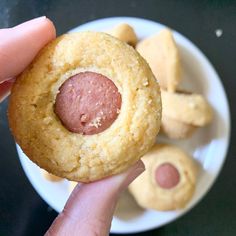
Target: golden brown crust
{"points": [[149, 194], [77, 157], [161, 53]]}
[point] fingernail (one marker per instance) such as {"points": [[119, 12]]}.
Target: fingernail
{"points": [[34, 21], [40, 18], [128, 177]]}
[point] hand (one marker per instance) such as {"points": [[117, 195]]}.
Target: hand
{"points": [[90, 207], [18, 47]]}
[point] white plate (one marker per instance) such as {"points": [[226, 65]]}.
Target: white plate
{"points": [[208, 145]]}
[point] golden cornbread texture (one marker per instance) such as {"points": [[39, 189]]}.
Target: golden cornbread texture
{"points": [[162, 55], [188, 108], [149, 194], [77, 157], [176, 129], [125, 33]]}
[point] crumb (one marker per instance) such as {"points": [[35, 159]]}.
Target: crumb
{"points": [[218, 32], [96, 122], [47, 120], [83, 118]]}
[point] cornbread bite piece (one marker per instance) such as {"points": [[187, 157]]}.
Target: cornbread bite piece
{"points": [[87, 107], [169, 180]]}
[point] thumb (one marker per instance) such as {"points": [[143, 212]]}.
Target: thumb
{"points": [[90, 208]]}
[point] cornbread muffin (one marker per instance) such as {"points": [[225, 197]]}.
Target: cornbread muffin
{"points": [[125, 33], [161, 53], [87, 107], [190, 108], [169, 180], [183, 113]]}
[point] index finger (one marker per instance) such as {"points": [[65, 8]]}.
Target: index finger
{"points": [[19, 45]]}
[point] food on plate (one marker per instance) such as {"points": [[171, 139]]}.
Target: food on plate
{"points": [[125, 33], [87, 107], [169, 180], [50, 177], [161, 53], [183, 113], [175, 129], [188, 107]]}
